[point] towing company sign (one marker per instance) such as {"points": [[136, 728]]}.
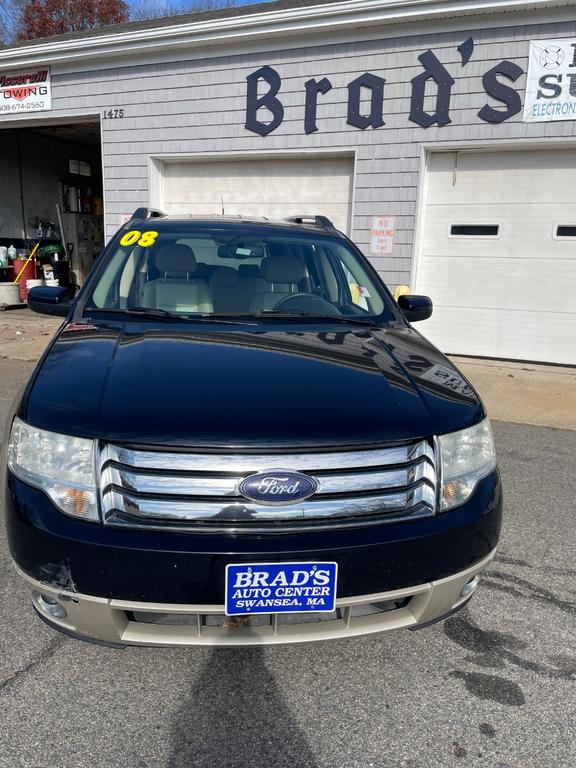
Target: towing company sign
{"points": [[551, 85], [25, 91]]}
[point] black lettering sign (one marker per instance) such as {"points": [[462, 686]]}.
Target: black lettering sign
{"points": [[313, 88], [268, 101], [466, 49], [436, 71], [375, 85], [501, 92], [366, 95], [546, 84]]}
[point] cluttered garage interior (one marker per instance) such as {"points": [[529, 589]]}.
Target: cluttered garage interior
{"points": [[51, 196]]}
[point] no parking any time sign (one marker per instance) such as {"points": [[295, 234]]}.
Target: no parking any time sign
{"points": [[382, 235]]}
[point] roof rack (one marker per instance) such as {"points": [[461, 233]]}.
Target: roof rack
{"points": [[317, 221], [141, 214]]}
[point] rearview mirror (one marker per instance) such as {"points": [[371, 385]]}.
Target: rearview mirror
{"points": [[240, 251], [50, 301], [415, 307]]}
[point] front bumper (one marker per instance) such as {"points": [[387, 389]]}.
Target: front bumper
{"points": [[107, 575], [125, 622]]}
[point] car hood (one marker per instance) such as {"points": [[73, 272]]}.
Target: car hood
{"points": [[182, 385]]}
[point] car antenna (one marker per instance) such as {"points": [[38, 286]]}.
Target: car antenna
{"points": [[222, 198]]}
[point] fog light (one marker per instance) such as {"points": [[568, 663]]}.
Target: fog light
{"points": [[50, 605], [470, 586]]}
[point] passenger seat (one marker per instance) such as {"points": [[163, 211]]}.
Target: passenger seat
{"points": [[177, 290]]}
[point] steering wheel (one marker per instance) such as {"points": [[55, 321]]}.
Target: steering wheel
{"points": [[307, 302]]}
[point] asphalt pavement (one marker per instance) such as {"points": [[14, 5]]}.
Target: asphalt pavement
{"points": [[494, 686]]}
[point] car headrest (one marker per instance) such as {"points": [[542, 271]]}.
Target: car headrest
{"points": [[283, 269], [249, 271], [176, 258], [224, 277]]}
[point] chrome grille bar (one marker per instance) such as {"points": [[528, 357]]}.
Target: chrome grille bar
{"points": [[186, 485], [243, 463], [194, 510]]}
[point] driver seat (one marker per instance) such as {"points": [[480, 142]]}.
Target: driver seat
{"points": [[282, 275]]}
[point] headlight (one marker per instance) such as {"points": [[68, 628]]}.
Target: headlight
{"points": [[60, 465], [467, 456]]}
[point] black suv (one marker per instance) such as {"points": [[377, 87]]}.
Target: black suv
{"points": [[236, 437]]}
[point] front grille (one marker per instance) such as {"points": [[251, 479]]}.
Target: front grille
{"points": [[202, 621], [140, 488]]}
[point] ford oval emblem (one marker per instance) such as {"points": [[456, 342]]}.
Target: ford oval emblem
{"points": [[279, 487]]}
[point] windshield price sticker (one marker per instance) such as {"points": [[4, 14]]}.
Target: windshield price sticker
{"points": [[143, 239], [280, 588]]}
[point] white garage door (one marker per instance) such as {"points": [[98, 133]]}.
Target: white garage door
{"points": [[260, 186], [498, 254]]}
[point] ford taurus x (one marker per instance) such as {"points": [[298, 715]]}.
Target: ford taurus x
{"points": [[236, 437]]}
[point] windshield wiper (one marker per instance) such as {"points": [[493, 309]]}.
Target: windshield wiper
{"points": [[231, 319], [313, 316], [201, 317], [143, 311]]}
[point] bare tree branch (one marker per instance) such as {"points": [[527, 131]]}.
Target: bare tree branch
{"points": [[43, 18], [9, 15], [16, 15], [160, 8]]}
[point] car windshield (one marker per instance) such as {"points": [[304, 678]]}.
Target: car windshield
{"points": [[226, 272]]}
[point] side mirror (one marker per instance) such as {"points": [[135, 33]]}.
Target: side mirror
{"points": [[415, 307], [50, 301]]}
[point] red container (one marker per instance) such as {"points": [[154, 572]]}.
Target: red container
{"points": [[29, 273]]}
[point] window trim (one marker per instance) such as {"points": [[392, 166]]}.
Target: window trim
{"points": [[562, 238], [82, 166], [453, 236]]}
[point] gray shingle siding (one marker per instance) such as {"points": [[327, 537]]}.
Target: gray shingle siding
{"points": [[199, 106]]}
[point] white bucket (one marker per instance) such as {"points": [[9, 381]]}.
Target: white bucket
{"points": [[33, 283], [9, 294]]}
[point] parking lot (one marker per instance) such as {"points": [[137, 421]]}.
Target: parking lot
{"points": [[492, 686]]}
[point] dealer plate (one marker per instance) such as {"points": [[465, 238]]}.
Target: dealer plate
{"points": [[280, 588]]}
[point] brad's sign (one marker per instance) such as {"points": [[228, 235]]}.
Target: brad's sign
{"points": [[25, 91], [430, 98]]}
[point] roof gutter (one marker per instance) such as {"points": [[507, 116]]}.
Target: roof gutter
{"points": [[311, 19]]}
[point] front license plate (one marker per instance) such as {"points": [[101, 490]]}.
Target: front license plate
{"points": [[280, 588]]}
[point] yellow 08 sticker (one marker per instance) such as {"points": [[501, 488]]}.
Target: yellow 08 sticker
{"points": [[143, 239]]}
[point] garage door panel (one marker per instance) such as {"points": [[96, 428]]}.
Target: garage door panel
{"points": [[502, 333], [269, 210], [273, 188], [531, 337], [513, 295], [493, 283], [453, 329], [522, 230], [520, 176]]}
